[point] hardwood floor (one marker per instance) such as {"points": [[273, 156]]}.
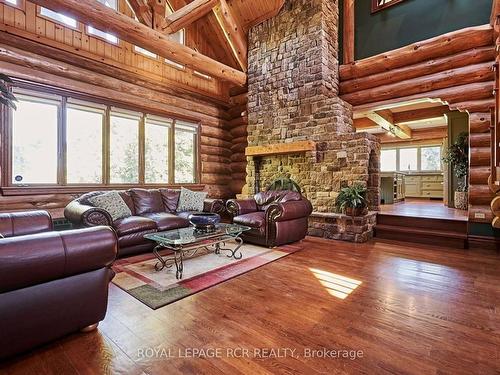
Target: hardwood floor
{"points": [[415, 207], [410, 309]]}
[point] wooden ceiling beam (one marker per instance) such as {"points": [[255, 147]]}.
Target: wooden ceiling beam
{"points": [[364, 124], [420, 114], [158, 8], [142, 11], [418, 136], [186, 15], [108, 20], [385, 120], [233, 32]]}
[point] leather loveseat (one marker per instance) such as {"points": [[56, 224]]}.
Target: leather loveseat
{"points": [[153, 210], [276, 217], [51, 283]]}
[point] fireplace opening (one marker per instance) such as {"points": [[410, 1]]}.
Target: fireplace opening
{"points": [[284, 183]]}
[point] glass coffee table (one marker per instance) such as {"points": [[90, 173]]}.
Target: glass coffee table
{"points": [[186, 242]]}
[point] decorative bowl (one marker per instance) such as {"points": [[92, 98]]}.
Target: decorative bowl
{"points": [[204, 222]]}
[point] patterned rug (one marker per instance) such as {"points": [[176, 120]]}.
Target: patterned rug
{"points": [[137, 276]]}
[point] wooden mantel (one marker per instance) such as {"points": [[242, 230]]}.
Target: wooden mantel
{"points": [[281, 148]]}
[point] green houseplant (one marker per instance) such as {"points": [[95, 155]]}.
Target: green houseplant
{"points": [[6, 97], [352, 200], [457, 157]]}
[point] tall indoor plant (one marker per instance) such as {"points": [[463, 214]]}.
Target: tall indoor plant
{"points": [[352, 200], [457, 157], [6, 97]]}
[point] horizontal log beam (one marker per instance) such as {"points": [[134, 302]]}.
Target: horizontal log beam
{"points": [[469, 57], [480, 195], [385, 120], [480, 213], [479, 175], [460, 76], [418, 136], [483, 105], [480, 139], [420, 114], [108, 20], [479, 123], [480, 157], [188, 14], [443, 45]]}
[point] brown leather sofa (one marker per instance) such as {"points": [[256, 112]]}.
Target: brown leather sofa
{"points": [[152, 210], [51, 283], [276, 217]]}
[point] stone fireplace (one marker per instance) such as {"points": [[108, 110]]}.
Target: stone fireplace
{"points": [[298, 127]]}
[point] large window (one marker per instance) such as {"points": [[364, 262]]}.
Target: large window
{"points": [[58, 140], [84, 143], [34, 140], [411, 159]]}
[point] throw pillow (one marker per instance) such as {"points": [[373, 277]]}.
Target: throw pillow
{"points": [[191, 200], [113, 203]]}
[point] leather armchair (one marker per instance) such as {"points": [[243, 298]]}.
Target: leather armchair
{"points": [[51, 283], [275, 218]]}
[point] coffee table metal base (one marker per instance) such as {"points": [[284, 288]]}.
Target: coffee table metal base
{"points": [[181, 252]]}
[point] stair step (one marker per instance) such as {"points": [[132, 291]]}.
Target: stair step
{"points": [[420, 231], [459, 226]]}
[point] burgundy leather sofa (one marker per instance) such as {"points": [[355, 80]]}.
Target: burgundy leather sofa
{"points": [[276, 217], [153, 210], [51, 283]]}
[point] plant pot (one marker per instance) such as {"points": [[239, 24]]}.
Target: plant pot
{"points": [[356, 211], [461, 200]]}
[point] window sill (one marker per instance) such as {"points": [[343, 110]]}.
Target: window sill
{"points": [[80, 189]]}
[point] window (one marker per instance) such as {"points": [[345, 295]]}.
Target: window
{"points": [[388, 160], [84, 144], [34, 140], [408, 159], [124, 148], [425, 158], [58, 17], [12, 2], [157, 150], [113, 4], [185, 153], [382, 4], [430, 158], [145, 52], [59, 140], [202, 75]]}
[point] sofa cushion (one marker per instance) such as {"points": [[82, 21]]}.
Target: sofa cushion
{"points": [[146, 201], [170, 199], [127, 198], [133, 224], [191, 200], [165, 221], [252, 220], [113, 203]]}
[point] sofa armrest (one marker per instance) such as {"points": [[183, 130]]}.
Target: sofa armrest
{"points": [[39, 258], [215, 206], [23, 223], [82, 215], [238, 207], [289, 210]]}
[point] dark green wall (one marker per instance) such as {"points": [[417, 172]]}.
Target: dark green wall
{"points": [[412, 21]]}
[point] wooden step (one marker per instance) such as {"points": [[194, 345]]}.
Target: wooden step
{"points": [[432, 231]]}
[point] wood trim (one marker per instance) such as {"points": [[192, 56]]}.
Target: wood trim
{"points": [[80, 189], [348, 31], [281, 148]]}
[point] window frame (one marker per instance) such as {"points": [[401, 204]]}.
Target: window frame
{"points": [[419, 158], [10, 188]]}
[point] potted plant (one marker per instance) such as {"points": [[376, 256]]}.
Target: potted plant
{"points": [[6, 97], [352, 200], [457, 157]]}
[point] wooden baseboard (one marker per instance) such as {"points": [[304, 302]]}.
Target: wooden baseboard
{"points": [[484, 242]]}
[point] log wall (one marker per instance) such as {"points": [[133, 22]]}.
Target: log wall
{"points": [[455, 68], [35, 49], [238, 124]]}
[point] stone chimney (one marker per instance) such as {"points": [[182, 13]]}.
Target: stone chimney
{"points": [[293, 88]]}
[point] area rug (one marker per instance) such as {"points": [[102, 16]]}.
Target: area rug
{"points": [[137, 276]]}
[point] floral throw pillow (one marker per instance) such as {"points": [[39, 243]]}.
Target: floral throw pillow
{"points": [[113, 203], [191, 200]]}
